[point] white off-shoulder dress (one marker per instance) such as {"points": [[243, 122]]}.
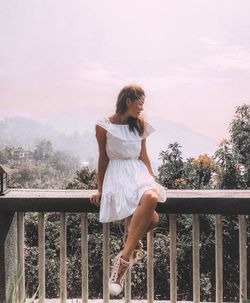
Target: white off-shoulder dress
{"points": [[126, 177]]}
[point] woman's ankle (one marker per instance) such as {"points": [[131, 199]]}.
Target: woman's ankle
{"points": [[125, 258]]}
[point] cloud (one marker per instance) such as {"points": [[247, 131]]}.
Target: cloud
{"points": [[225, 57]]}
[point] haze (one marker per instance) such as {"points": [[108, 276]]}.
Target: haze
{"points": [[69, 59]]}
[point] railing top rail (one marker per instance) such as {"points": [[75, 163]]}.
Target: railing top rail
{"points": [[178, 201]]}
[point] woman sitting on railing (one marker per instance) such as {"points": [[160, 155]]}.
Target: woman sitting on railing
{"points": [[126, 183]]}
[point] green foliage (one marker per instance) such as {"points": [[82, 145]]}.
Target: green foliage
{"points": [[176, 173], [230, 173], [83, 179], [5, 155], [43, 151], [228, 168], [13, 291], [52, 252], [172, 167], [95, 242], [139, 275], [240, 136], [45, 169], [198, 172]]}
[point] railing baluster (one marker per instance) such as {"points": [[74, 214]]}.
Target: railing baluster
{"points": [[224, 203], [63, 255], [41, 257], [84, 249], [105, 262], [173, 263], [21, 285], [128, 274], [196, 259], [218, 259], [150, 268], [243, 257]]}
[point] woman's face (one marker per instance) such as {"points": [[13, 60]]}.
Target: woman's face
{"points": [[134, 108]]}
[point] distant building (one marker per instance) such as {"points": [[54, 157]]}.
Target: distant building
{"points": [[18, 153]]}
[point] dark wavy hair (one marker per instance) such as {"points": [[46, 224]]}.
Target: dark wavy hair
{"points": [[132, 92]]}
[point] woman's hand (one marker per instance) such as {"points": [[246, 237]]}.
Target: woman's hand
{"points": [[95, 198]]}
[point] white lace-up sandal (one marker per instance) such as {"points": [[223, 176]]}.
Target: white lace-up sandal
{"points": [[138, 251], [118, 273]]}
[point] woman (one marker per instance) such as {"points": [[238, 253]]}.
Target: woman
{"points": [[126, 184]]}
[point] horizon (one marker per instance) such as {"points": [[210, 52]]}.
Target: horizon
{"points": [[27, 132]]}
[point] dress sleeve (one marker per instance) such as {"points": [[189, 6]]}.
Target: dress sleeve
{"points": [[102, 122], [149, 129]]}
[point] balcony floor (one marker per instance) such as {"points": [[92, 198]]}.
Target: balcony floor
{"points": [[111, 301]]}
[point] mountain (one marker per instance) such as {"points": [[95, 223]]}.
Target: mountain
{"points": [[26, 132], [193, 143]]}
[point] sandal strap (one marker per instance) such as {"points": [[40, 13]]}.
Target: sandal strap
{"points": [[138, 251]]}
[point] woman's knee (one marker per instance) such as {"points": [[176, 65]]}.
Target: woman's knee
{"points": [[149, 199]]}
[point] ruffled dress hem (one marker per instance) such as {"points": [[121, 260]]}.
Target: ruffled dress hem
{"points": [[109, 198]]}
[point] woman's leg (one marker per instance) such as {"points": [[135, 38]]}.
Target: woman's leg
{"points": [[140, 222], [153, 223]]}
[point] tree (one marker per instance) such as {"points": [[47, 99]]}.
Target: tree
{"points": [[240, 136], [189, 174], [43, 150], [47, 168], [230, 173], [198, 171], [84, 178], [5, 155], [64, 162], [171, 171]]}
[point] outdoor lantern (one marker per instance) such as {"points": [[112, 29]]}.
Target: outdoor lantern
{"points": [[4, 171]]}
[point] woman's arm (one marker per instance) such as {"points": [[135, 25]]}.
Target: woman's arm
{"points": [[144, 157], [103, 157], [103, 161]]}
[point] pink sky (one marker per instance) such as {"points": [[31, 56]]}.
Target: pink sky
{"points": [[72, 58]]}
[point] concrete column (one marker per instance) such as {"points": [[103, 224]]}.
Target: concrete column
{"points": [[8, 251]]}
